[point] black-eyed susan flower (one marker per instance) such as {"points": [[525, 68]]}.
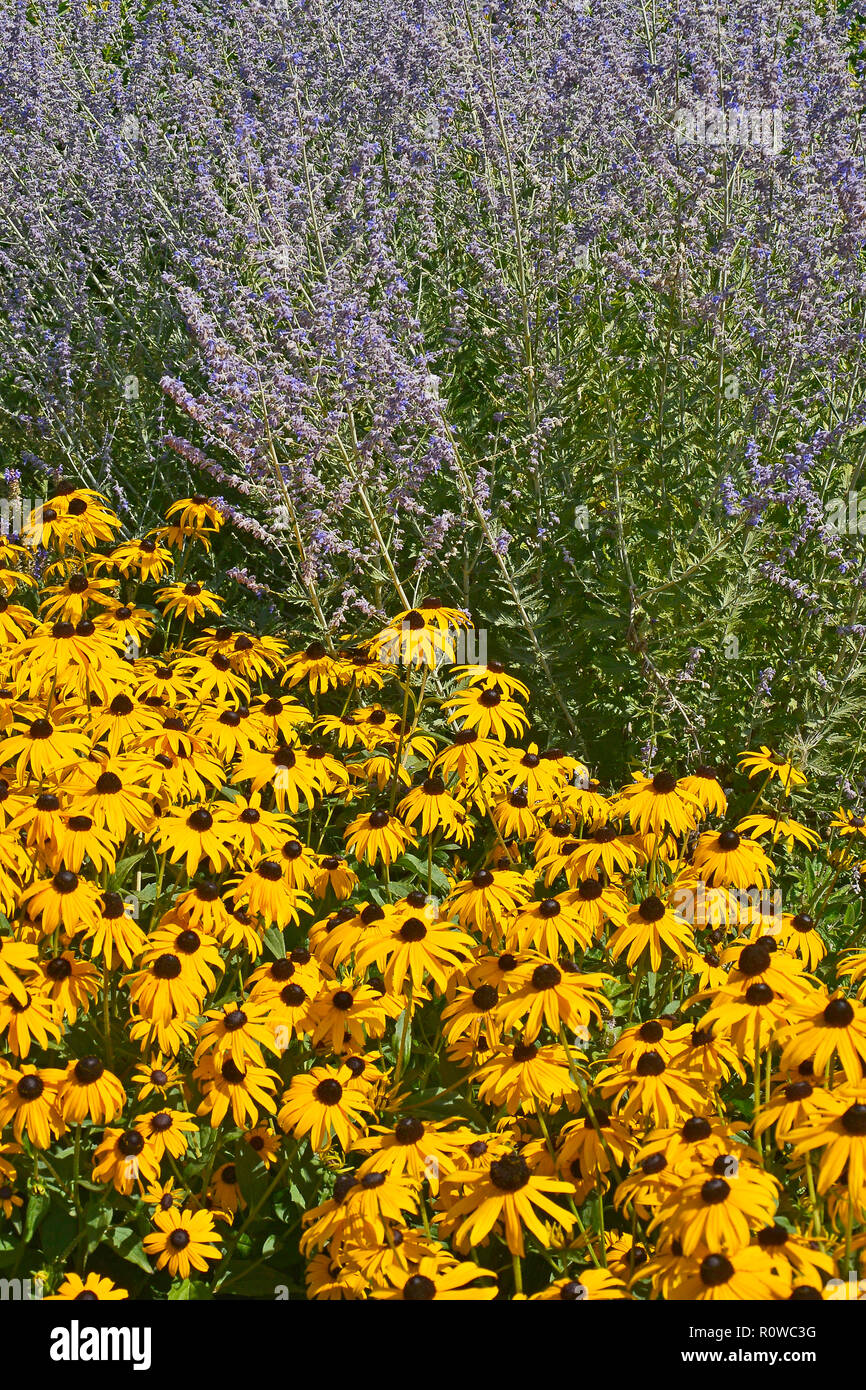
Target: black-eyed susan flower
{"points": [[122, 722], [200, 909], [415, 948], [513, 816], [246, 826], [486, 899], [239, 1031], [79, 838], [589, 1147], [359, 668], [111, 792], [346, 1012], [328, 1279], [315, 667], [198, 953], [360, 1211], [585, 1285], [264, 1144], [164, 989], [89, 1091], [125, 1160], [115, 935], [647, 1186], [319, 1105], [523, 1076], [420, 635], [762, 961], [71, 600], [778, 827], [840, 1130], [124, 623], [167, 1131], [93, 1287], [798, 932], [195, 515], [282, 768], [297, 863], [658, 803], [768, 765], [470, 758], [183, 1240], [191, 835], [653, 927], [541, 776], [849, 822], [550, 925], [190, 600], [825, 1030], [704, 785], [162, 1195], [17, 958], [729, 859], [334, 876], [715, 1212], [744, 1275], [225, 1086], [507, 1195], [433, 809], [142, 557], [797, 1103], [28, 1100], [300, 967], [224, 1190], [157, 1077], [809, 1264], [488, 710], [604, 848], [543, 993], [437, 1279], [420, 1148], [28, 1021], [65, 900], [473, 1013], [411, 639], [650, 1089], [378, 834], [265, 893], [748, 1017], [705, 1053]]}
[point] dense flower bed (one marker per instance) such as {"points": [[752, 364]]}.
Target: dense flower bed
{"points": [[321, 974]]}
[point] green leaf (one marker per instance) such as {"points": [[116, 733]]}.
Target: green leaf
{"points": [[127, 1244], [122, 868], [437, 878], [403, 1033], [252, 1280], [58, 1233], [250, 1173], [189, 1289], [275, 942], [37, 1207]]}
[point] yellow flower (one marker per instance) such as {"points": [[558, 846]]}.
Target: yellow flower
{"points": [[770, 765], [183, 1241]]}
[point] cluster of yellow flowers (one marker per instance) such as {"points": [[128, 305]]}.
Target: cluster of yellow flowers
{"points": [[558, 1036]]}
